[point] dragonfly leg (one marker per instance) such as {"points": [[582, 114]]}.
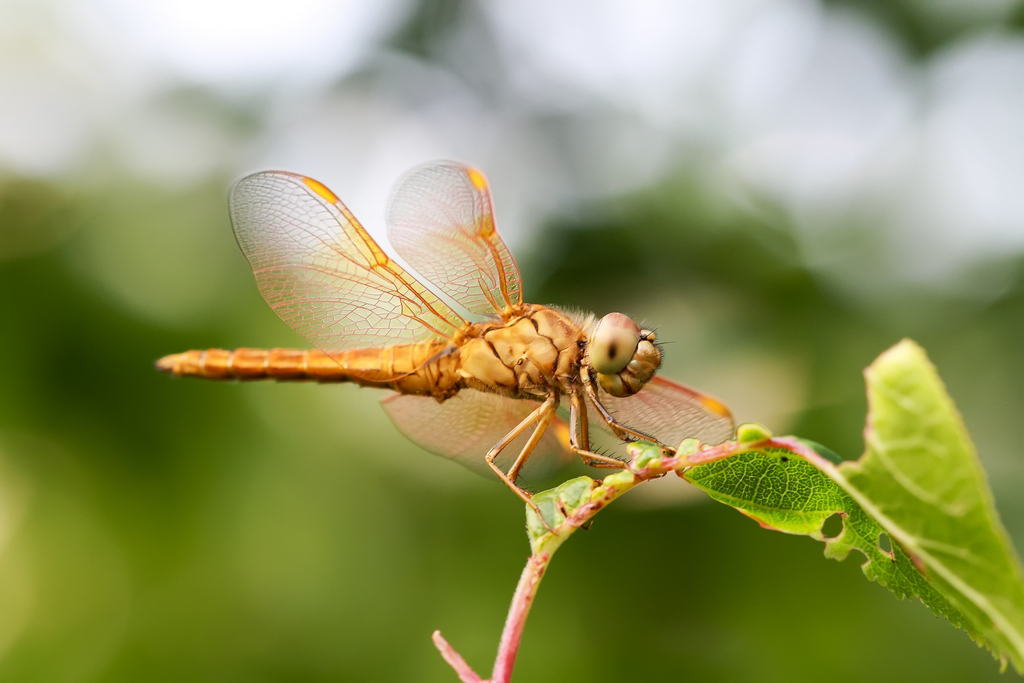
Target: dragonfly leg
{"points": [[619, 430], [579, 436], [543, 416], [550, 406]]}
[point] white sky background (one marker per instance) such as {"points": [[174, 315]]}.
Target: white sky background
{"points": [[814, 108]]}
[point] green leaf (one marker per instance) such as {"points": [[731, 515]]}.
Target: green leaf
{"points": [[919, 482], [555, 504], [781, 491], [922, 479]]}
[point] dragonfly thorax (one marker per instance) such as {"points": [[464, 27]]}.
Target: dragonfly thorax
{"points": [[534, 350]]}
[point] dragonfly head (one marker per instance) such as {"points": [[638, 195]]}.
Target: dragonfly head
{"points": [[623, 355]]}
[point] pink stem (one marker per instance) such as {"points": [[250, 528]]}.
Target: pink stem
{"points": [[466, 674], [513, 632], [533, 572]]}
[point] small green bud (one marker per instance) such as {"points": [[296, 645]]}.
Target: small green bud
{"points": [[643, 453], [751, 432], [623, 478], [688, 447]]}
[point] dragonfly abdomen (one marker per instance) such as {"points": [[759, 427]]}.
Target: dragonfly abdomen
{"points": [[406, 368], [252, 364]]}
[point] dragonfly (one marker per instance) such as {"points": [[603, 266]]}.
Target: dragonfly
{"points": [[476, 374]]}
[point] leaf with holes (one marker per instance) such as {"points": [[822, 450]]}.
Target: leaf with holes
{"points": [[919, 482]]}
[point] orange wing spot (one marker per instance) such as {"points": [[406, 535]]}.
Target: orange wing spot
{"points": [[485, 226], [715, 406], [321, 190], [477, 178]]}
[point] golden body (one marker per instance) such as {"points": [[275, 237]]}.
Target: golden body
{"points": [[533, 350]]}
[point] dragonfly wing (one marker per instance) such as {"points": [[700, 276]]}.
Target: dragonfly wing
{"points": [[670, 412], [467, 425], [441, 220], [321, 271]]}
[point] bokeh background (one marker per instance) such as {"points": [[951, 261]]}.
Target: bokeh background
{"points": [[784, 187]]}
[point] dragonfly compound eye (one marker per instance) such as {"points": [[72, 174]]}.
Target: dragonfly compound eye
{"points": [[613, 343], [637, 372]]}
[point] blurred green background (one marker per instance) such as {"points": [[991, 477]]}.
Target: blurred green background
{"points": [[784, 188]]}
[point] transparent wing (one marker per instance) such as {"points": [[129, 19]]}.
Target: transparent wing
{"points": [[321, 271], [440, 219], [469, 424], [670, 412]]}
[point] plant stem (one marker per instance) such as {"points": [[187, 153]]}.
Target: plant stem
{"points": [[529, 581], [512, 634], [570, 518], [455, 660]]}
